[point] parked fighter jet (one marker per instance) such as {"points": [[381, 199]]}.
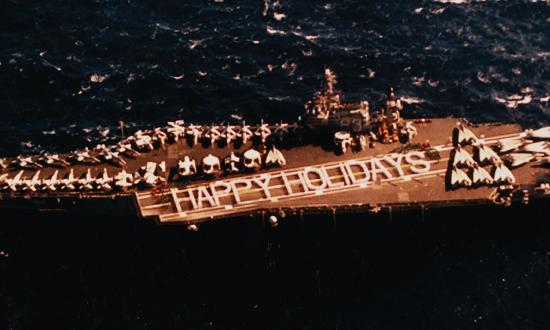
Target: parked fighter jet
{"points": [[14, 183], [485, 154], [462, 157], [104, 181], [23, 162], [83, 157], [86, 182], [143, 142], [502, 175], [112, 157], [518, 159], [465, 135], [245, 133], [52, 183], [53, 160], [34, 183], [159, 137], [126, 150], [231, 163], [252, 159], [211, 165], [541, 133], [275, 158], [540, 147], [506, 145], [229, 135], [69, 183], [459, 178], [187, 167], [176, 130], [480, 176], [123, 180], [263, 132], [193, 133], [212, 135]]}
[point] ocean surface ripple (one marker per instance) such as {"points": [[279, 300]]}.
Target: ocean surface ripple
{"points": [[70, 70]]}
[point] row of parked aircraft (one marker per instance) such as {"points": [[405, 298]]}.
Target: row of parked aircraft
{"points": [[515, 152], [148, 140]]}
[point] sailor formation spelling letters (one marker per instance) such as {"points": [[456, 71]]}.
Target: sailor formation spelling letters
{"points": [[351, 126]]}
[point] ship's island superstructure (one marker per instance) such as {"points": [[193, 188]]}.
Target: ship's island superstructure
{"points": [[340, 157]]}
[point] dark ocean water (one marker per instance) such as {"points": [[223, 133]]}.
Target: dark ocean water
{"points": [[70, 70]]}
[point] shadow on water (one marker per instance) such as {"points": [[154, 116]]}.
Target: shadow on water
{"points": [[456, 269]]}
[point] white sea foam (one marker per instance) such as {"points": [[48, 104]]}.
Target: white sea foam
{"points": [[271, 30], [279, 16], [514, 100], [98, 78], [411, 100]]}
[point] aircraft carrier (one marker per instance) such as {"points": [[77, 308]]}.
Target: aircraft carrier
{"points": [[337, 158]]}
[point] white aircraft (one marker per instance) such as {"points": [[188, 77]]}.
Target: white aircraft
{"points": [[33, 183], [51, 183], [485, 154], [212, 135], [176, 129], [517, 159], [187, 167], [481, 176], [541, 133], [194, 132], [263, 132], [252, 159], [123, 180], [275, 158], [113, 157], [459, 178], [506, 145], [25, 163], [84, 157], [86, 183], [229, 134], [159, 136], [14, 183], [104, 181], [231, 163], [126, 150], [245, 133], [540, 147], [53, 160], [144, 143], [503, 175], [462, 157], [211, 165], [150, 179], [465, 135], [68, 183]]}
